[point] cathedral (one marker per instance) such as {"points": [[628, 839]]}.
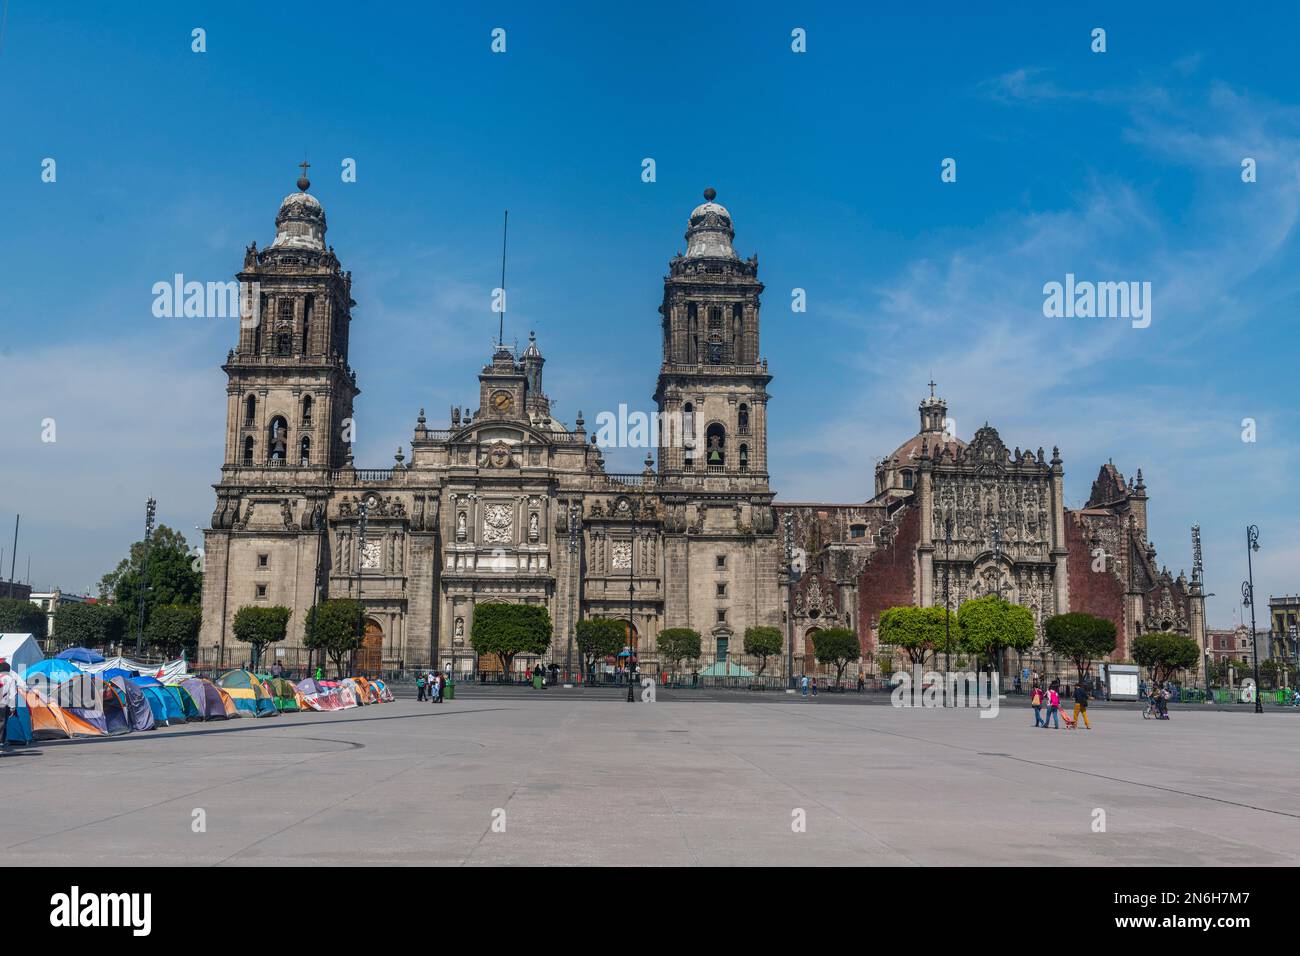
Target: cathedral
{"points": [[506, 503]]}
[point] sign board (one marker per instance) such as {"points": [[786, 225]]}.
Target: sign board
{"points": [[1123, 681]]}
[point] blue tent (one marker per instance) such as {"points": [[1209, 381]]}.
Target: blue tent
{"points": [[166, 709], [52, 671], [82, 655], [109, 673]]}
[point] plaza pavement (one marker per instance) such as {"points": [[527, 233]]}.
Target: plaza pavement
{"points": [[584, 778]]}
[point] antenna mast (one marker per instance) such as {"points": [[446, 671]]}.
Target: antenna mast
{"points": [[501, 324]]}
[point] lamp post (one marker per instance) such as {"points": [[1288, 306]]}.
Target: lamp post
{"points": [[150, 509], [1248, 597], [792, 577], [364, 511], [947, 604], [573, 593], [997, 562], [631, 586]]}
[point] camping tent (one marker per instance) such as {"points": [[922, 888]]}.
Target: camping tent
{"points": [[283, 693], [209, 699], [385, 695], [37, 717], [349, 685], [317, 696], [250, 695], [82, 655], [21, 651], [95, 702], [52, 671], [166, 709], [184, 701], [137, 707]]}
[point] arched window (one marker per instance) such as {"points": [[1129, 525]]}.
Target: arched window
{"points": [[304, 451], [692, 334], [736, 327], [277, 447], [248, 450], [306, 410], [742, 419], [716, 341], [688, 434], [715, 447], [250, 410], [306, 323], [907, 479], [744, 458]]}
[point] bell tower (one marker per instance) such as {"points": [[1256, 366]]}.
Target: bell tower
{"points": [[712, 390], [290, 389], [713, 479]]}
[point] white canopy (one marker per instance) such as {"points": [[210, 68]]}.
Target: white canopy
{"points": [[21, 651]]}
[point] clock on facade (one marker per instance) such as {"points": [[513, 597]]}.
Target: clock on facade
{"points": [[502, 401]]}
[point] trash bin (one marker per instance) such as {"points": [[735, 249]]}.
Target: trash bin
{"points": [[449, 692], [537, 682]]}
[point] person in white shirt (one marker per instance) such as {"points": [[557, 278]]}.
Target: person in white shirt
{"points": [[8, 700]]}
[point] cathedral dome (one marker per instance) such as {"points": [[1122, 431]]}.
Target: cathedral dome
{"points": [[300, 223], [710, 232]]}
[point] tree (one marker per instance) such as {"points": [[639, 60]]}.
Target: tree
{"points": [[18, 616], [917, 630], [174, 628], [989, 624], [259, 626], [886, 662], [170, 576], [838, 646], [599, 638], [1162, 654], [89, 625], [509, 629], [1083, 638], [332, 629], [677, 644], [762, 642]]}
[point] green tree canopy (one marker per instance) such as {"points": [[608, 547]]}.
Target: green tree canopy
{"points": [[260, 625], [762, 642], [19, 616], [1163, 654], [917, 630], [173, 629], [677, 644], [989, 624], [1083, 638], [334, 628], [838, 646], [599, 638], [89, 625], [509, 629], [171, 575]]}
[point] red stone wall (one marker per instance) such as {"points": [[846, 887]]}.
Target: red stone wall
{"points": [[1098, 593], [889, 579]]}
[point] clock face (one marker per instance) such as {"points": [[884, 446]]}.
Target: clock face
{"points": [[502, 401]]}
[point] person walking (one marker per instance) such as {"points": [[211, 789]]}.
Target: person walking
{"points": [[437, 688], [419, 687], [803, 685], [8, 700], [1081, 705], [1053, 707], [862, 682], [814, 686], [1036, 701]]}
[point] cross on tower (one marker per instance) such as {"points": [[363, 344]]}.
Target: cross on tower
{"points": [[304, 166], [931, 383]]}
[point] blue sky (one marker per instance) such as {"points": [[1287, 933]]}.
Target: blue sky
{"points": [[1116, 166]]}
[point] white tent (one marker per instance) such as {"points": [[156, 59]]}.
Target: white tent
{"points": [[170, 672], [21, 651]]}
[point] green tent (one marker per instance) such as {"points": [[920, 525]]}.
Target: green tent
{"points": [[282, 692]]}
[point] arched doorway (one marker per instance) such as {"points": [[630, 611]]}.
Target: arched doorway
{"points": [[369, 656], [630, 635], [810, 652]]}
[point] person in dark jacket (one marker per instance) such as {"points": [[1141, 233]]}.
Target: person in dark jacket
{"points": [[1081, 705]]}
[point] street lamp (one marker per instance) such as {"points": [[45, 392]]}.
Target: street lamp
{"points": [[150, 509], [792, 577], [573, 592], [947, 604], [1248, 598], [364, 511], [631, 586]]}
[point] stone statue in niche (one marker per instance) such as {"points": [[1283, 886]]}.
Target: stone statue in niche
{"points": [[459, 638], [532, 526], [460, 526]]}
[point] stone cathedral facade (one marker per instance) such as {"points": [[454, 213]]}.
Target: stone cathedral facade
{"points": [[506, 503]]}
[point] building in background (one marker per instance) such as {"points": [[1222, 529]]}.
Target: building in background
{"points": [[1284, 625], [49, 602]]}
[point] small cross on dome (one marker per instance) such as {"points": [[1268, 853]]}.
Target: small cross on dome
{"points": [[303, 182]]}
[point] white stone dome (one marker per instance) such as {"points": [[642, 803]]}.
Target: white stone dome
{"points": [[300, 223], [710, 232]]}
